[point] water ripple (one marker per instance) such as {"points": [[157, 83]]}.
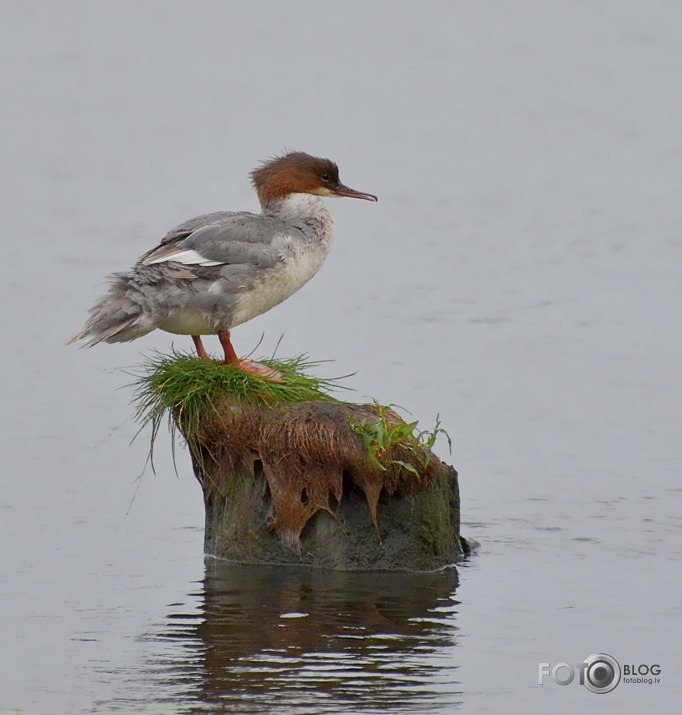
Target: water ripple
{"points": [[290, 640]]}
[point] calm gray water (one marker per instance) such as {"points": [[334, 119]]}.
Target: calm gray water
{"points": [[521, 276]]}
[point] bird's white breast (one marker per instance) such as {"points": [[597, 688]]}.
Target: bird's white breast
{"points": [[280, 283]]}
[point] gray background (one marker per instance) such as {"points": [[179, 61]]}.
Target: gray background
{"points": [[520, 275]]}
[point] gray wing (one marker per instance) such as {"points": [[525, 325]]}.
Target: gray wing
{"points": [[184, 229], [224, 238]]}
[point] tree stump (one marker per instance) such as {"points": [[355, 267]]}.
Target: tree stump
{"points": [[294, 484], [291, 475]]}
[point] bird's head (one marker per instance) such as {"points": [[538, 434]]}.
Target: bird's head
{"points": [[300, 173]]}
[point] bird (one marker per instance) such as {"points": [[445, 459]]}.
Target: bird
{"points": [[219, 270]]}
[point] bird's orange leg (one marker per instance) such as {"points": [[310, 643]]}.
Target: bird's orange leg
{"points": [[252, 368], [201, 350], [230, 354]]}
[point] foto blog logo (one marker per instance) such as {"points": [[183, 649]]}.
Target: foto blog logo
{"points": [[599, 673]]}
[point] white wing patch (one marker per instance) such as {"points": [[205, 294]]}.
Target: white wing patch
{"points": [[188, 257]]}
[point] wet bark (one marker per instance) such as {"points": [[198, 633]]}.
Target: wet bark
{"points": [[295, 485]]}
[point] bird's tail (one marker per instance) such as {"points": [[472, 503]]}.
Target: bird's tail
{"points": [[117, 316]]}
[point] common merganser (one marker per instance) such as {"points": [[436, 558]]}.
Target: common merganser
{"points": [[221, 269]]}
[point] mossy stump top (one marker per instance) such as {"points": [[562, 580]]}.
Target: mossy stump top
{"points": [[292, 475]]}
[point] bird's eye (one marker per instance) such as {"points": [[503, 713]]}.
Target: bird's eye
{"points": [[326, 177]]}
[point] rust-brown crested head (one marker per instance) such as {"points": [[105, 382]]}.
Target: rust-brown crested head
{"points": [[300, 173]]}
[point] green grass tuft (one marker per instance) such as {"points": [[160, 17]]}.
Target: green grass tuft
{"points": [[381, 436], [183, 389]]}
